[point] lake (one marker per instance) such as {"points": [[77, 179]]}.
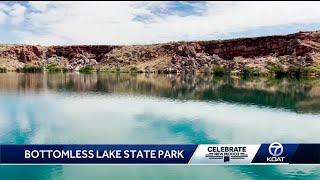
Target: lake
{"points": [[150, 108]]}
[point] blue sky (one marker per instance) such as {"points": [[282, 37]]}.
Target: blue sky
{"points": [[50, 23]]}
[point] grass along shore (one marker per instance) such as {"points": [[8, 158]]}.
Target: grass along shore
{"points": [[273, 70]]}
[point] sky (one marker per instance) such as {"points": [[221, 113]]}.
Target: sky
{"points": [[65, 23]]}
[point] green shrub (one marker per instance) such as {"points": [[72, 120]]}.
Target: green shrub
{"points": [[251, 71], [299, 71], [118, 69], [305, 71], [133, 69], [53, 68], [50, 66], [294, 70], [86, 69], [56, 68], [235, 73], [246, 71], [3, 69], [315, 69], [278, 71], [30, 69], [218, 70], [64, 69]]}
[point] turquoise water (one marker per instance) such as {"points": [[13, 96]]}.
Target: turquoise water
{"points": [[113, 108]]}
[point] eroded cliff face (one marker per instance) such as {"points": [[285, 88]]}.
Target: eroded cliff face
{"points": [[298, 44], [23, 53], [300, 48]]}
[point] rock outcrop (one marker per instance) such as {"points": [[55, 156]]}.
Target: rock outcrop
{"points": [[301, 49], [237, 53], [24, 53], [80, 56]]}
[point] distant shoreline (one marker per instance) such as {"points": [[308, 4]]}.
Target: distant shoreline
{"points": [[295, 55]]}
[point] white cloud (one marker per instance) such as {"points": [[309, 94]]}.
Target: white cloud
{"points": [[115, 22], [17, 13], [3, 15]]}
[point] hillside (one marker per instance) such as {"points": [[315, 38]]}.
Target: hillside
{"points": [[293, 53]]}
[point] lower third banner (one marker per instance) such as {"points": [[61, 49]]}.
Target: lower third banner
{"points": [[215, 154]]}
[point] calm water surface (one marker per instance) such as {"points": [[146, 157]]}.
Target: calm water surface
{"points": [[124, 108]]}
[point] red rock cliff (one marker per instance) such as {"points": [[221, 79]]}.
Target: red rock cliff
{"points": [[298, 43], [179, 55]]}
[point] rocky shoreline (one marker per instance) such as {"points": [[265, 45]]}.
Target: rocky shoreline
{"points": [[294, 54]]}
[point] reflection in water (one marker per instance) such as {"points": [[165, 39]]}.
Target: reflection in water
{"points": [[292, 94], [100, 108]]}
